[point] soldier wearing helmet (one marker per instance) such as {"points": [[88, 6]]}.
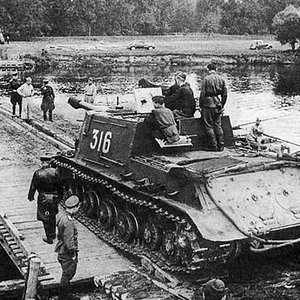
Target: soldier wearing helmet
{"points": [[67, 244], [213, 289]]}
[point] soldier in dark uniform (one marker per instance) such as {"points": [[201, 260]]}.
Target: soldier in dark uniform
{"points": [[46, 182], [161, 122], [67, 245], [48, 100], [212, 106], [15, 98], [181, 101]]}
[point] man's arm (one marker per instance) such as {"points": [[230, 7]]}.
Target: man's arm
{"points": [[224, 94], [69, 242], [20, 90], [202, 94], [171, 101], [32, 188], [52, 92]]}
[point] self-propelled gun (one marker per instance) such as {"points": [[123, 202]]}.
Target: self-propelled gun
{"points": [[185, 208]]}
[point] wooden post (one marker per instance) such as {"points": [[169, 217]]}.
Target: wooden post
{"points": [[32, 279]]}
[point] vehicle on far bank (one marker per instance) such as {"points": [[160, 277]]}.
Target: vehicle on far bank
{"points": [[259, 44], [140, 45]]}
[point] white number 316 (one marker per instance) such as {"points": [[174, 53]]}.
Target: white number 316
{"points": [[101, 141]]}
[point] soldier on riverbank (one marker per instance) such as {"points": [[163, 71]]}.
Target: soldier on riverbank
{"points": [[48, 100], [15, 98], [90, 91], [26, 91]]}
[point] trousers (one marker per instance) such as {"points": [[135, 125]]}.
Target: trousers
{"points": [[69, 267], [213, 127], [26, 108], [50, 228]]}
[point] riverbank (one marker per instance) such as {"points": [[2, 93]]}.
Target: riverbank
{"points": [[191, 49]]}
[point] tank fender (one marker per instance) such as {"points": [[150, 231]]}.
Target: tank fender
{"points": [[211, 224], [259, 202]]}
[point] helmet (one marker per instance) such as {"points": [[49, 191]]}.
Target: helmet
{"points": [[214, 289], [72, 201]]}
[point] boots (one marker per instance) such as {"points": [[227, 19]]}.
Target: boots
{"points": [[64, 293]]}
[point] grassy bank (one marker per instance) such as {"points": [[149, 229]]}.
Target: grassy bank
{"points": [[194, 44]]}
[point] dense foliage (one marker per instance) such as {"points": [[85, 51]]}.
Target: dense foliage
{"points": [[28, 18], [287, 26]]}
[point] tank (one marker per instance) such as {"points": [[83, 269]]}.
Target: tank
{"points": [[186, 209]]}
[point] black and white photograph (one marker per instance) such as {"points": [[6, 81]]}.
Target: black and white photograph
{"points": [[150, 149]]}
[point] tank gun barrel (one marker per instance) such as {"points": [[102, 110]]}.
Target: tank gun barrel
{"points": [[76, 103]]}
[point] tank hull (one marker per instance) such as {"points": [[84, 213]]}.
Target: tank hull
{"points": [[151, 225]]}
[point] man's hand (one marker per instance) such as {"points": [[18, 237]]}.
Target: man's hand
{"points": [[75, 257]]}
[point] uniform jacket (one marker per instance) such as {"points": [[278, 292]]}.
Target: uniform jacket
{"points": [[14, 84], [182, 99], [165, 119], [66, 234], [46, 182], [48, 98], [213, 86]]}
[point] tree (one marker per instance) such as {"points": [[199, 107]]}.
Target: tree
{"points": [[287, 26], [240, 17], [183, 18], [208, 13], [24, 18]]}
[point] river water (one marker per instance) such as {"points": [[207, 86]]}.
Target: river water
{"points": [[269, 92]]}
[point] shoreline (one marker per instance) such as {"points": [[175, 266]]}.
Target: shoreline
{"points": [[182, 50]]}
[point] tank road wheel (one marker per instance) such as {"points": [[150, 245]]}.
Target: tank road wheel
{"points": [[151, 235], [108, 215], [89, 205], [170, 250], [127, 226], [169, 244]]}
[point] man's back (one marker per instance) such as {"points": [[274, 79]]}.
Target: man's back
{"points": [[45, 180]]}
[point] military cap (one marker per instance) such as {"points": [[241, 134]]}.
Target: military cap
{"points": [[158, 99], [15, 73], [72, 201], [212, 66], [45, 80], [181, 75], [214, 286]]}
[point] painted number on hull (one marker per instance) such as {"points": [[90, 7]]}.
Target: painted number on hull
{"points": [[101, 140]]}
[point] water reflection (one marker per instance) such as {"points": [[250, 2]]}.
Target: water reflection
{"points": [[269, 92], [288, 80]]}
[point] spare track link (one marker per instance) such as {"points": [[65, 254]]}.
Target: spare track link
{"points": [[115, 241]]}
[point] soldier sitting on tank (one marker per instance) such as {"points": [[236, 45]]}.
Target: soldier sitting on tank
{"points": [[182, 100], [161, 122], [255, 136]]}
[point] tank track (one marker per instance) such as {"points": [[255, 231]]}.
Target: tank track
{"points": [[208, 258]]}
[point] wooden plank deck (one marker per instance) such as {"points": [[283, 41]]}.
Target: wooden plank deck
{"points": [[95, 257]]}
